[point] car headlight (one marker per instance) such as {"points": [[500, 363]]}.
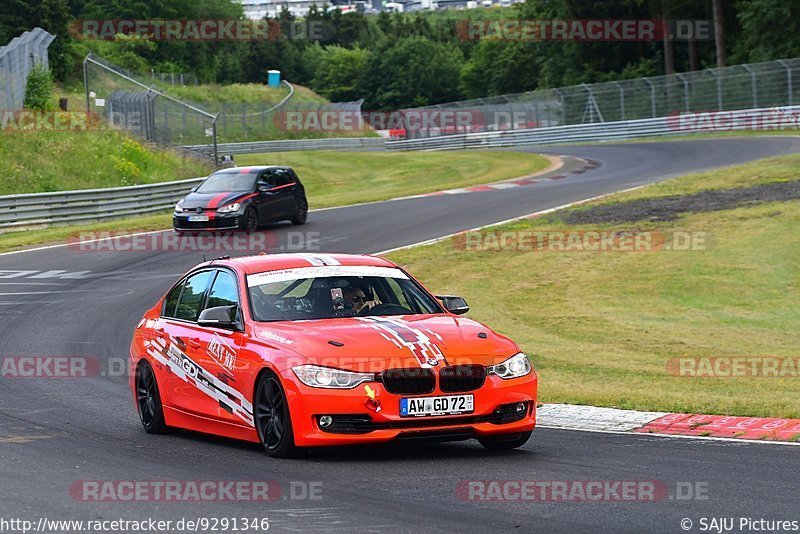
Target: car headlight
{"points": [[179, 206], [328, 377], [229, 208], [514, 367]]}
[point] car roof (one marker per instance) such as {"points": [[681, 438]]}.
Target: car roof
{"points": [[252, 168], [275, 262]]}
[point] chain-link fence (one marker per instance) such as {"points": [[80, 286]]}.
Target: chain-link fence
{"points": [[17, 59], [245, 121], [758, 85], [129, 103], [173, 78]]}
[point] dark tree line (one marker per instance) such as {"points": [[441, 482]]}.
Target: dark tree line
{"points": [[417, 59]]}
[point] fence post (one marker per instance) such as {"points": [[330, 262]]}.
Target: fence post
{"points": [[621, 100], [561, 99], [719, 88], [682, 78], [788, 79], [652, 96], [86, 84], [753, 82], [214, 136]]}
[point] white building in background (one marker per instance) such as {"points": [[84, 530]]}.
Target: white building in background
{"points": [[258, 9]]}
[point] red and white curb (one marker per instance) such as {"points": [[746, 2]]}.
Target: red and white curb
{"points": [[583, 165], [736, 428]]}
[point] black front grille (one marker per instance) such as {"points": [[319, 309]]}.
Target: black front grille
{"points": [[363, 423], [221, 223], [461, 378], [408, 381]]}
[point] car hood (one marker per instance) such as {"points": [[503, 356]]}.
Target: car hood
{"points": [[372, 344], [193, 201]]}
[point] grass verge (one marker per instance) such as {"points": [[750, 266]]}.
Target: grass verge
{"points": [[339, 178], [60, 161], [603, 327]]}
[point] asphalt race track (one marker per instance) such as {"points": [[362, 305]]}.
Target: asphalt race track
{"points": [[54, 432]]}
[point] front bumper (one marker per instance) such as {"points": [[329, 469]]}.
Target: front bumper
{"points": [[356, 421], [217, 221]]}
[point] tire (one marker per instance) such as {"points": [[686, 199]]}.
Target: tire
{"points": [[272, 418], [505, 442], [148, 400], [249, 220], [301, 212]]}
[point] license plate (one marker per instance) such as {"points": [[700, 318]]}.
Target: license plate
{"points": [[427, 406], [198, 218]]}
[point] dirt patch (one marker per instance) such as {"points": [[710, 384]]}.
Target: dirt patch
{"points": [[671, 207]]}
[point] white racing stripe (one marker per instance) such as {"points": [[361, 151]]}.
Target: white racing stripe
{"points": [[402, 334], [190, 372]]}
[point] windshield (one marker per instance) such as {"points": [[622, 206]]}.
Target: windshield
{"points": [[336, 291], [229, 182]]}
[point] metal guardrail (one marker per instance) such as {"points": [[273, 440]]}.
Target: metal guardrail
{"points": [[70, 207], [742, 120], [89, 205], [288, 145]]}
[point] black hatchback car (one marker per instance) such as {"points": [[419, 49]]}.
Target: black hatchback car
{"points": [[243, 198]]}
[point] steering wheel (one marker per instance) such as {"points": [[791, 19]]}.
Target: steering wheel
{"points": [[385, 308], [265, 307]]}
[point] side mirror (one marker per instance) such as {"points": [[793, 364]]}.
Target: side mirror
{"points": [[220, 317], [454, 304], [264, 188]]}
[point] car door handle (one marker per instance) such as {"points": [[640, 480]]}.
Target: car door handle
{"points": [[190, 342]]}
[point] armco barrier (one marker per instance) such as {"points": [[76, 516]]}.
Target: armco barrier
{"points": [[89, 205], [742, 120], [288, 145], [72, 207]]}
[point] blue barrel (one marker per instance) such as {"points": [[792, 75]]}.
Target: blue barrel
{"points": [[274, 78]]}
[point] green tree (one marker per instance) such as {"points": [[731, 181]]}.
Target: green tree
{"points": [[762, 18], [39, 90], [338, 72], [414, 71]]}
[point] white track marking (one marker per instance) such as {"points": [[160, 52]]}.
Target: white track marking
{"points": [[506, 221]]}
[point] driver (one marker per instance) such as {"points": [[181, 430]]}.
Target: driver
{"points": [[354, 299]]}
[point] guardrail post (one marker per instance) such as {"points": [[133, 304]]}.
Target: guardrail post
{"points": [[788, 79]]}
